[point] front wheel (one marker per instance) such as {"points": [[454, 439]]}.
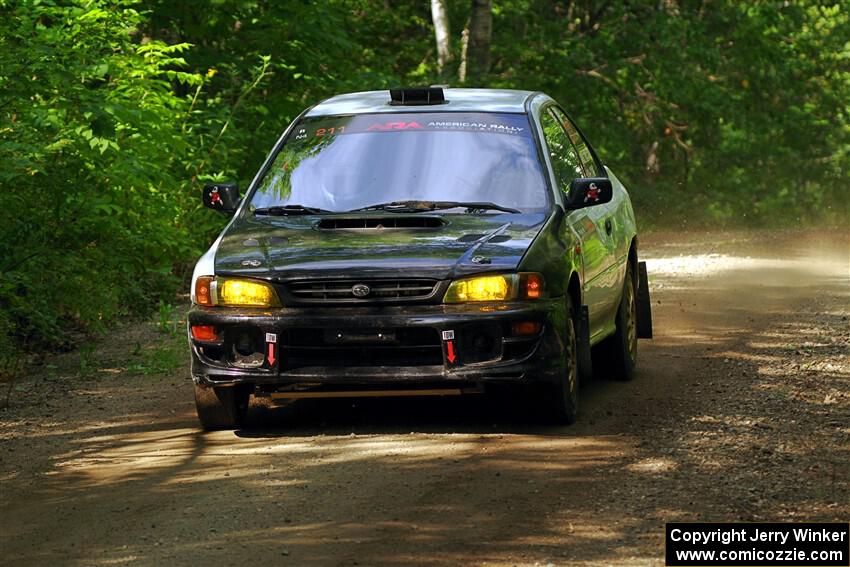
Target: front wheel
{"points": [[560, 400], [221, 408], [616, 356]]}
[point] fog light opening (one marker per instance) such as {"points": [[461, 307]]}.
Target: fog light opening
{"points": [[243, 345], [247, 352], [483, 343]]}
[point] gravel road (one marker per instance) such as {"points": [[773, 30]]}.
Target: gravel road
{"points": [[740, 411]]}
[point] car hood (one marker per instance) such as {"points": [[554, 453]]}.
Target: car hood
{"points": [[296, 247]]}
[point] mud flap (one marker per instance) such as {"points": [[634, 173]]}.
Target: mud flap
{"points": [[585, 364], [643, 304]]}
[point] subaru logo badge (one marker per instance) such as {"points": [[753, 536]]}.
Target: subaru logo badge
{"points": [[360, 290]]}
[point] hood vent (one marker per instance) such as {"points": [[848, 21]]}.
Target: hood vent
{"points": [[475, 237], [380, 223]]}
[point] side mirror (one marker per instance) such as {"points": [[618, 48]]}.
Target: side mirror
{"points": [[588, 191], [222, 197]]}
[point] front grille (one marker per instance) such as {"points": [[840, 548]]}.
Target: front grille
{"points": [[362, 291]]}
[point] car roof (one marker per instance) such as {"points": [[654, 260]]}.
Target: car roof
{"points": [[457, 100]]}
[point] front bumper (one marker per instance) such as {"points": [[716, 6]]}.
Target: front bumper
{"points": [[379, 345]]}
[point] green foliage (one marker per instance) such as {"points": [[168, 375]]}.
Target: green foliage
{"points": [[309, 51], [722, 112], [92, 152], [169, 319], [114, 112]]}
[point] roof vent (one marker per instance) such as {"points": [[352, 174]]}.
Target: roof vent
{"points": [[379, 223], [417, 97]]}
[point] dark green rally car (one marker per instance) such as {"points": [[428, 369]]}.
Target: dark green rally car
{"points": [[419, 242]]}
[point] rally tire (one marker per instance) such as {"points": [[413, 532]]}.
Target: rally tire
{"points": [[559, 400], [616, 356], [221, 408]]}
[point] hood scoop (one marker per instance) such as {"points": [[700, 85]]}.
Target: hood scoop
{"points": [[380, 223]]}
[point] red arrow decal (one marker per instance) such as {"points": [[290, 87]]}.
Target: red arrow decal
{"points": [[271, 354], [451, 348]]}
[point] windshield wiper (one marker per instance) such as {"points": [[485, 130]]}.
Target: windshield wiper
{"points": [[284, 210], [473, 206], [398, 207], [422, 206]]}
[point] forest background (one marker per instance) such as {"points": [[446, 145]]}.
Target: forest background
{"points": [[114, 113]]}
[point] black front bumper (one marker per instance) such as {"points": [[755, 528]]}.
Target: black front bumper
{"points": [[379, 345]]}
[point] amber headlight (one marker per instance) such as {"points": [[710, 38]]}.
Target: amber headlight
{"points": [[525, 285], [230, 292]]}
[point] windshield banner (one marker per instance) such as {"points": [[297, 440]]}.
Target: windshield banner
{"points": [[324, 126]]}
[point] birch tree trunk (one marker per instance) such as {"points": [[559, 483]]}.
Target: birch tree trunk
{"points": [[480, 32], [464, 47], [441, 34]]}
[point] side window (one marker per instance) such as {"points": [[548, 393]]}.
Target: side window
{"points": [[583, 151], [565, 161]]}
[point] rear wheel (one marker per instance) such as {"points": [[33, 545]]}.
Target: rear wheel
{"points": [[221, 408], [616, 356], [560, 400]]}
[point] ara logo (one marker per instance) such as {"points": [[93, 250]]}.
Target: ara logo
{"points": [[394, 126]]}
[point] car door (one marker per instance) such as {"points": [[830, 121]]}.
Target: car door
{"points": [[607, 286], [583, 222]]}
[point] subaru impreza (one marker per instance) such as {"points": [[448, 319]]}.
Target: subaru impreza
{"points": [[415, 242]]}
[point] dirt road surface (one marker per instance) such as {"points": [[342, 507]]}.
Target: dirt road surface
{"points": [[740, 411]]}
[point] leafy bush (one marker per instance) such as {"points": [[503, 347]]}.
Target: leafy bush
{"points": [[94, 152]]}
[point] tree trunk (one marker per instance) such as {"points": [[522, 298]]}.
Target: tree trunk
{"points": [[652, 165], [480, 32], [464, 47], [441, 34]]}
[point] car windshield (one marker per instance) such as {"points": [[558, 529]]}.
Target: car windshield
{"points": [[341, 163]]}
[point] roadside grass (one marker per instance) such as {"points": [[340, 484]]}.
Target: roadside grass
{"points": [[158, 347], [136, 348], [162, 357], [164, 352], [11, 368], [169, 319]]}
